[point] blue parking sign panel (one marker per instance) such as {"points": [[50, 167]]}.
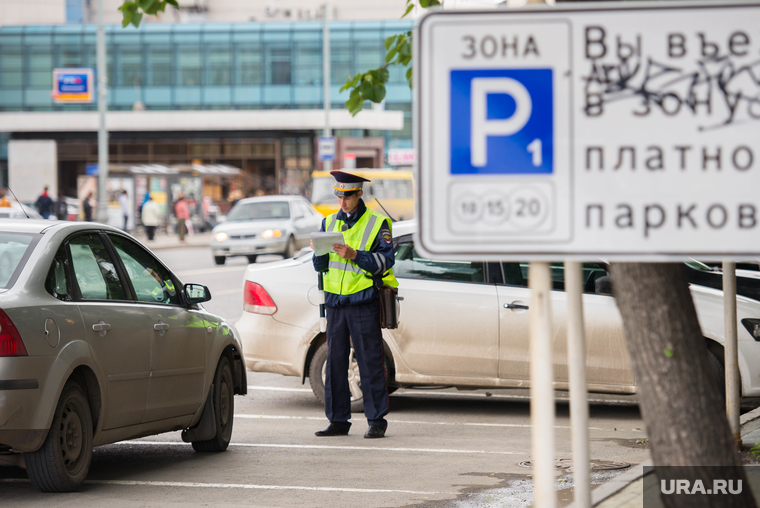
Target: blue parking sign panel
{"points": [[502, 122]]}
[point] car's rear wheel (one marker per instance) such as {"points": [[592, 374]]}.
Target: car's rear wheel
{"points": [[63, 461], [219, 260], [290, 249], [224, 410], [252, 258], [318, 369]]}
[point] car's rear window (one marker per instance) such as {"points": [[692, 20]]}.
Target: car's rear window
{"points": [[14, 251], [260, 211]]}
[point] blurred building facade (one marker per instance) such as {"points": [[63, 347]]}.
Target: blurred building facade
{"points": [[194, 87]]}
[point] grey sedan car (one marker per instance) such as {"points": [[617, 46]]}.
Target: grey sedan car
{"points": [[101, 342], [265, 225]]}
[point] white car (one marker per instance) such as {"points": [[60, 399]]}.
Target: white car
{"points": [[465, 324], [265, 225]]}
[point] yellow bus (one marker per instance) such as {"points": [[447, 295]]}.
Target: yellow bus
{"points": [[390, 192]]}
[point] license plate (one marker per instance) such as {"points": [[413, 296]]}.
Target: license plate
{"points": [[241, 249]]}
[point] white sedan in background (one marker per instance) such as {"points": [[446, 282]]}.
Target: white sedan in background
{"points": [[465, 324]]}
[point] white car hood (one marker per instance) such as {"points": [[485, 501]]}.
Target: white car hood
{"points": [[235, 227]]}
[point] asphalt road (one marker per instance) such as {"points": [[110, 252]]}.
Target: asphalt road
{"points": [[443, 448]]}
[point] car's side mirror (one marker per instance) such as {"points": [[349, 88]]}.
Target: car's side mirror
{"points": [[603, 285], [197, 293]]}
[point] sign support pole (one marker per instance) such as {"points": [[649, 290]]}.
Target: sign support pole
{"points": [[102, 215], [731, 356], [576, 352], [541, 385], [327, 164]]}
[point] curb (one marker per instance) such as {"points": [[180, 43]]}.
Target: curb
{"points": [[615, 485]]}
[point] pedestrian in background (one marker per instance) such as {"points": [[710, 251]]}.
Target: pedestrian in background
{"points": [[182, 212], [44, 204], [352, 274], [124, 205], [87, 207], [4, 201], [151, 217], [61, 208]]}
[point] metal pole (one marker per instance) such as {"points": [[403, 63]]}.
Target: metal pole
{"points": [[102, 215], [576, 355], [731, 350], [541, 385], [327, 165]]}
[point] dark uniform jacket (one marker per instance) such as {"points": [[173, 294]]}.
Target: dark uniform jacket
{"points": [[382, 245]]}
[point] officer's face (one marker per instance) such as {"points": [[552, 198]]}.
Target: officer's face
{"points": [[349, 203]]}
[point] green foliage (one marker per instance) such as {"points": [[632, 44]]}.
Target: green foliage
{"points": [[370, 85], [755, 451], [668, 353], [132, 11]]}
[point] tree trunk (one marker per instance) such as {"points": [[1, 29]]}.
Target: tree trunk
{"points": [[677, 389]]}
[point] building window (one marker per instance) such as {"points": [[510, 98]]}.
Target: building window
{"points": [[41, 68], [189, 67], [219, 65], [279, 61], [248, 64], [340, 62], [131, 65], [75, 11], [10, 67], [308, 68], [159, 67]]}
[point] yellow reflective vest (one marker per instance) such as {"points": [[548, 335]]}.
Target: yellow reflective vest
{"points": [[344, 277]]}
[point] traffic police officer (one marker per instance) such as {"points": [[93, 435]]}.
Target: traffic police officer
{"points": [[352, 275]]}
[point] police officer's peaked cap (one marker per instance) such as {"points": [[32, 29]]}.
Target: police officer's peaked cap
{"points": [[346, 183]]}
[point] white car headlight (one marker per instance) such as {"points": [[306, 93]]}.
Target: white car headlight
{"points": [[271, 233], [221, 237]]}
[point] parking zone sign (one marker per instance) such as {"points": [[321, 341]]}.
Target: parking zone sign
{"points": [[624, 131]]}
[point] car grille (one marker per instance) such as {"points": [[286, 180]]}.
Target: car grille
{"points": [[242, 237]]}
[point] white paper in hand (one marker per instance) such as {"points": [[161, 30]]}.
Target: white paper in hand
{"points": [[323, 242]]}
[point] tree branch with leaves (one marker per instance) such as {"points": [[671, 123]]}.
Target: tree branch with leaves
{"points": [[370, 85], [132, 11]]}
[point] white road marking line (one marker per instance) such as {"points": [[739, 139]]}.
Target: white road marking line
{"points": [[133, 483], [327, 447], [496, 396], [207, 271], [279, 389], [419, 422], [439, 394]]}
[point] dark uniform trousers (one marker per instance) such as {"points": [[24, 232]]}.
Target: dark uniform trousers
{"points": [[362, 324]]}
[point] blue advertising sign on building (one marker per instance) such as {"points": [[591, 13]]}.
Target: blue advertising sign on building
{"points": [[73, 85]]}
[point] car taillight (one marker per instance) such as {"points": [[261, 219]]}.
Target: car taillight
{"points": [[257, 300], [10, 340]]}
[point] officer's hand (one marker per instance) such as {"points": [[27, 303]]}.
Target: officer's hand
{"points": [[311, 244], [344, 251]]}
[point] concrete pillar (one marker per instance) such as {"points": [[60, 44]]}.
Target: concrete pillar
{"points": [[32, 164]]}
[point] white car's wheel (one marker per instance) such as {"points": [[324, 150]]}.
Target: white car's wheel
{"points": [[317, 371]]}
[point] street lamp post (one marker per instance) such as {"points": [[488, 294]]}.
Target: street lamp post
{"points": [[102, 215]]}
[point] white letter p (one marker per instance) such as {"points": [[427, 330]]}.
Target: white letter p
{"points": [[481, 127]]}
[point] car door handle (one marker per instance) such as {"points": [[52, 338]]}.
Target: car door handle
{"points": [[515, 306], [101, 327], [160, 326]]}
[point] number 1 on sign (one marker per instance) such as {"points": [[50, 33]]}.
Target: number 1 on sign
{"points": [[535, 148]]}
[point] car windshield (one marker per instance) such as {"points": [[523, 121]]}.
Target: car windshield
{"points": [[13, 250], [322, 190], [262, 210]]}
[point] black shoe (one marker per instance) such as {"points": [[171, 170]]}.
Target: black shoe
{"points": [[333, 430], [374, 432]]}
